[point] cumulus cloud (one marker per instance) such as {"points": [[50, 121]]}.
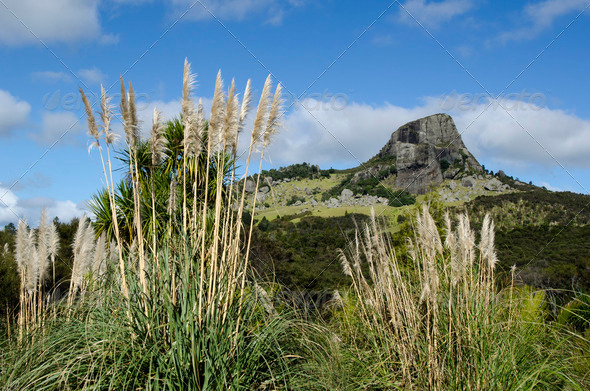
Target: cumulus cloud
{"points": [[433, 13], [92, 75], [527, 135], [234, 9], [27, 21], [13, 112], [109, 39], [61, 126], [51, 76], [537, 136], [13, 208], [541, 16]]}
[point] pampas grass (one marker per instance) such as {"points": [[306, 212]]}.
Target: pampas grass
{"points": [[441, 324], [186, 317]]}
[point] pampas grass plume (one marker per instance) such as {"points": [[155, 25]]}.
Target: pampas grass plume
{"points": [[92, 128], [158, 144], [273, 122], [262, 110], [217, 112]]}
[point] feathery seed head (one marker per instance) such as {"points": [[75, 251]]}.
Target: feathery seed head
{"points": [[217, 112], [106, 115], [273, 122], [158, 140], [32, 264], [231, 121], [133, 121], [92, 128], [199, 129], [22, 233], [124, 107], [261, 111], [188, 110], [53, 240], [43, 244], [246, 100], [100, 257]]}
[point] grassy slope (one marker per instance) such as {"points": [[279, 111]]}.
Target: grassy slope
{"points": [[544, 234]]}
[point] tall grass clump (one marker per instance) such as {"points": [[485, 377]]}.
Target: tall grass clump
{"points": [[175, 309], [435, 320], [35, 251]]}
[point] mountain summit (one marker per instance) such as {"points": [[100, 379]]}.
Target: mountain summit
{"points": [[427, 151]]}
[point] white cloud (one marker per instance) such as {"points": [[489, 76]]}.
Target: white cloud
{"points": [[9, 210], [109, 39], [541, 16], [274, 10], [359, 131], [50, 21], [433, 13], [92, 75], [62, 126], [51, 76], [13, 112], [13, 208], [548, 186], [529, 135]]}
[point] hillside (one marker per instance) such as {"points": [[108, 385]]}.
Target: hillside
{"points": [[545, 234], [423, 156]]}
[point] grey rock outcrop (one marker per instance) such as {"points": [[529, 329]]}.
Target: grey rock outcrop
{"points": [[261, 197], [420, 146], [494, 185], [468, 181], [250, 186], [346, 194]]}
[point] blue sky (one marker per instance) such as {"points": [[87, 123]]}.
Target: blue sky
{"points": [[362, 69]]}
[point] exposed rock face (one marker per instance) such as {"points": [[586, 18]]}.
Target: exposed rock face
{"points": [[420, 146], [250, 186]]}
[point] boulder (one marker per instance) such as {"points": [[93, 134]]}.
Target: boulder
{"points": [[333, 203], [264, 189], [468, 181], [493, 185], [250, 186], [346, 194], [261, 197]]}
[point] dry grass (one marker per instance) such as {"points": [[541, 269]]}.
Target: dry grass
{"points": [[438, 322]]}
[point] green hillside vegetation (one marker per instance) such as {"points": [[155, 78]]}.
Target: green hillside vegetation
{"points": [[545, 234]]}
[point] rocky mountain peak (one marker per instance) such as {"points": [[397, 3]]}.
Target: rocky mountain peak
{"points": [[426, 151]]}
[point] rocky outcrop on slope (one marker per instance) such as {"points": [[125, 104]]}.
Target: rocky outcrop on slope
{"points": [[426, 152]]}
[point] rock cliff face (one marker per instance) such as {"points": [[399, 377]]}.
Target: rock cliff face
{"points": [[427, 151]]}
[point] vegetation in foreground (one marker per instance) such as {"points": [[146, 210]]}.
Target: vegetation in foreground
{"points": [[163, 298]]}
